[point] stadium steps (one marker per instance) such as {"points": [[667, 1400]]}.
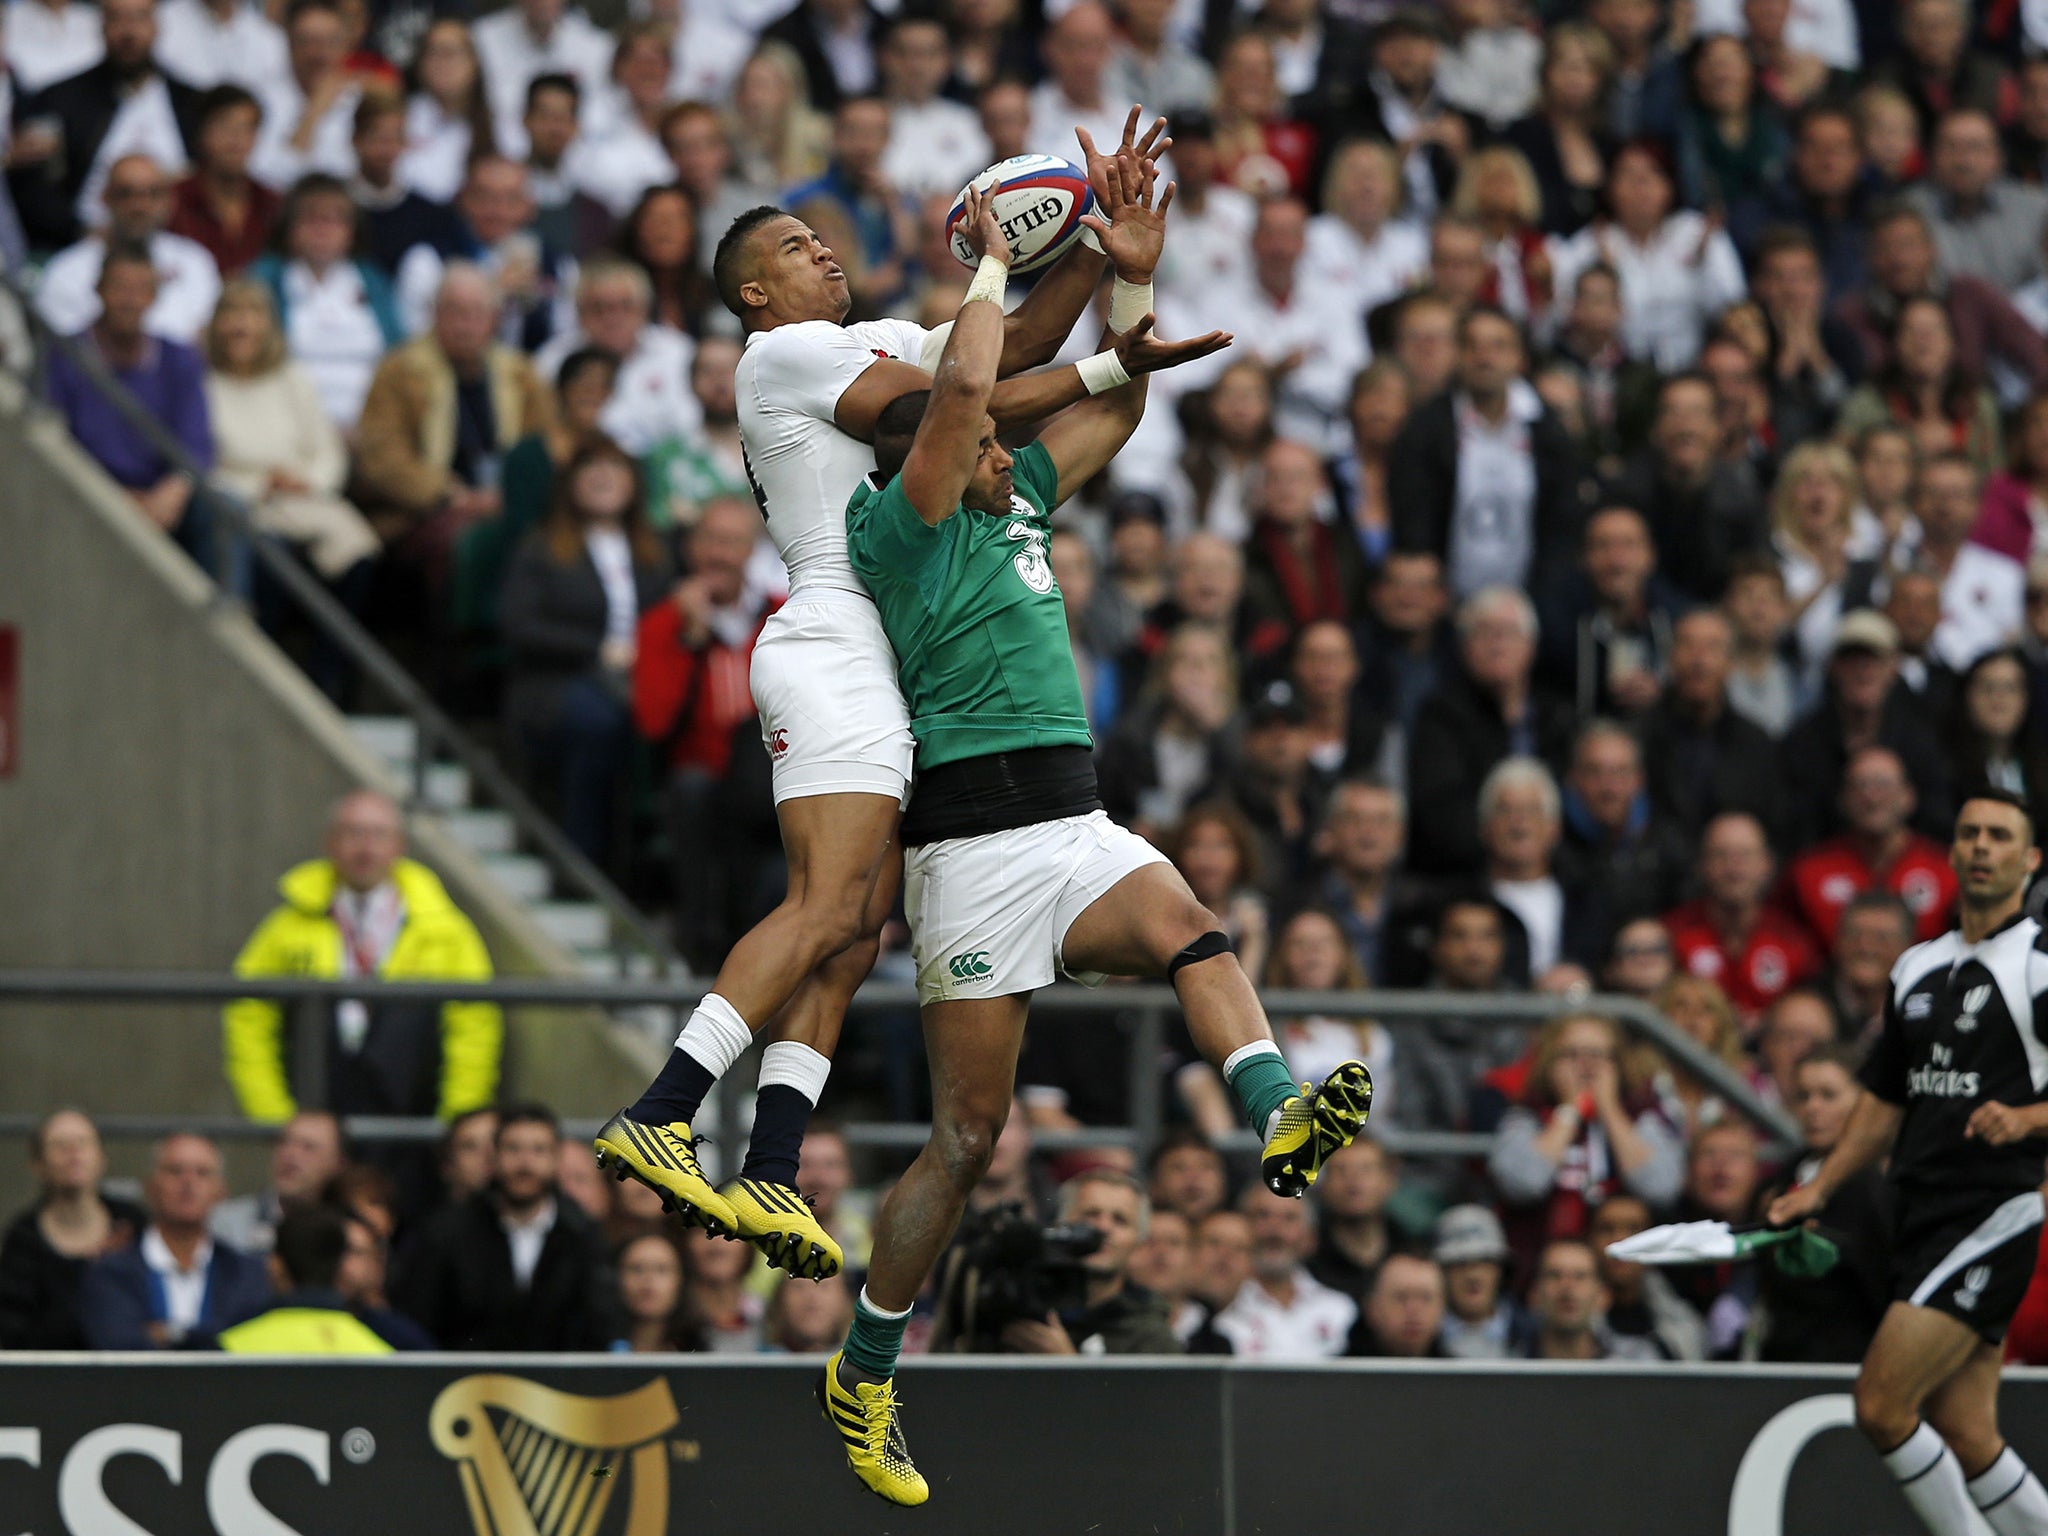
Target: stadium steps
{"points": [[581, 927]]}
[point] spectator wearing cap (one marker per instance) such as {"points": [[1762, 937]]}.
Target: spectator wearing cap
{"points": [[1646, 1317], [1614, 841], [1699, 756], [1300, 566], [1487, 710], [1877, 849], [1863, 704], [1270, 786], [1404, 1312], [1729, 934], [1481, 1321], [1282, 1312], [1484, 477]]}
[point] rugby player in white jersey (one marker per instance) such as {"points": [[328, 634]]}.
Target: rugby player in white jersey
{"points": [[809, 391]]}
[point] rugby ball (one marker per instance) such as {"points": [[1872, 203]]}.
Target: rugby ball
{"points": [[1039, 202]]}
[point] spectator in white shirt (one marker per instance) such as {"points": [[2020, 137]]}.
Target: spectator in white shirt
{"points": [[221, 42], [447, 113], [337, 314], [1075, 93], [625, 157], [706, 49], [138, 206], [538, 37], [1283, 1312], [1283, 318], [1358, 246], [1212, 222], [309, 113], [934, 144], [1677, 270], [1983, 593], [1489, 66], [651, 402], [51, 40], [1151, 65]]}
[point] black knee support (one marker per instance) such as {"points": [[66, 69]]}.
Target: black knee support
{"points": [[1207, 947]]}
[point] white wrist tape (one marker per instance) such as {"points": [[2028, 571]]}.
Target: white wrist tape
{"points": [[991, 281], [1128, 304], [1104, 370], [1092, 240]]}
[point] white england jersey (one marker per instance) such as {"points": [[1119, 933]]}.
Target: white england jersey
{"points": [[804, 469]]}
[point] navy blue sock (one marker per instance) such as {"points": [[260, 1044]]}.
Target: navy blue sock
{"points": [[780, 1115], [675, 1093]]}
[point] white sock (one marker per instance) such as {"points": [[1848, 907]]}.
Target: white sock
{"points": [[1245, 1053], [868, 1302], [1932, 1480], [716, 1035], [2011, 1497], [796, 1064]]}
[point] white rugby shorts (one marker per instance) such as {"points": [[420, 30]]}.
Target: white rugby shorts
{"points": [[832, 716], [989, 915]]}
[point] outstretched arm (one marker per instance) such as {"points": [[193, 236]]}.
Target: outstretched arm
{"points": [[1085, 437], [1042, 323], [948, 442]]}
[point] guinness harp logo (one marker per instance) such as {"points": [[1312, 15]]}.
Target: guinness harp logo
{"points": [[537, 1462]]}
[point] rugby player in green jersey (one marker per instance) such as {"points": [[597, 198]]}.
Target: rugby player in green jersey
{"points": [[1012, 871]]}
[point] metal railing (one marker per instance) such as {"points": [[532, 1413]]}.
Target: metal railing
{"points": [[1150, 1007], [236, 539]]}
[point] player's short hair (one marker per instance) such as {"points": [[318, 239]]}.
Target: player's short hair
{"points": [[2000, 796], [729, 261], [310, 1243], [896, 429]]}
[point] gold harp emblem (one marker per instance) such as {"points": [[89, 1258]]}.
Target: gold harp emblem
{"points": [[537, 1462]]}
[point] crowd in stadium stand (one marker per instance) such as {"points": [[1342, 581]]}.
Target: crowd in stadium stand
{"points": [[1615, 541]]}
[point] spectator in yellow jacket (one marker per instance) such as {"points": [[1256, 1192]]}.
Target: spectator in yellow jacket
{"points": [[367, 910]]}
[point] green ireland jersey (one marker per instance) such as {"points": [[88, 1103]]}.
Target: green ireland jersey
{"points": [[975, 617]]}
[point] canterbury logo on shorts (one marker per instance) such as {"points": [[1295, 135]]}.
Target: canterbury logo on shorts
{"points": [[970, 966]]}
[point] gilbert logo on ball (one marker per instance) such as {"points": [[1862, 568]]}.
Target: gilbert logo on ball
{"points": [[1039, 202]]}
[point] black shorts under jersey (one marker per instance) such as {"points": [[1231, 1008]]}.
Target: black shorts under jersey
{"points": [[1967, 1252]]}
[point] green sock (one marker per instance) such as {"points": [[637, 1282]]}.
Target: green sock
{"points": [[876, 1338], [1258, 1075]]}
